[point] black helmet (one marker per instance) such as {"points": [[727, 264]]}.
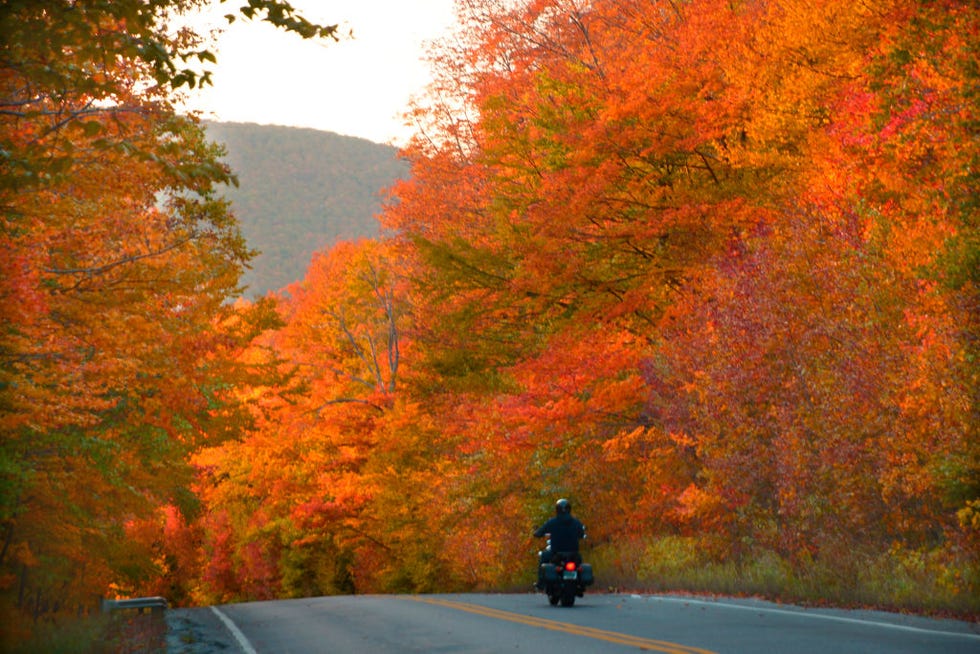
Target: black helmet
{"points": [[563, 507]]}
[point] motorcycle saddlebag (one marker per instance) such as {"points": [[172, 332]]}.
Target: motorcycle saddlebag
{"points": [[585, 574], [549, 572]]}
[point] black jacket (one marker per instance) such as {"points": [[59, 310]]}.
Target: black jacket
{"points": [[565, 533]]}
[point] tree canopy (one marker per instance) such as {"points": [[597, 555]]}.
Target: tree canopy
{"points": [[708, 269], [118, 344]]}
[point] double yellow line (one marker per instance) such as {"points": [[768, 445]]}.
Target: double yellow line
{"points": [[577, 630]]}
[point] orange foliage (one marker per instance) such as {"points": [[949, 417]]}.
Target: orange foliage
{"points": [[705, 268], [115, 351]]}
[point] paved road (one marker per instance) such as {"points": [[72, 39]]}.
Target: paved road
{"points": [[597, 623]]}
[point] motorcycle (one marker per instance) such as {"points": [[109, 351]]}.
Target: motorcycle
{"points": [[563, 576]]}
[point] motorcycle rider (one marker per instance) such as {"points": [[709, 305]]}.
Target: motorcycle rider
{"points": [[565, 531]]}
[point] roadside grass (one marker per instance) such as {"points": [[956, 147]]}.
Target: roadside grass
{"points": [[120, 633], [898, 580]]}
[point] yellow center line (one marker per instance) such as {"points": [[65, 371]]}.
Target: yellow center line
{"points": [[577, 630]]}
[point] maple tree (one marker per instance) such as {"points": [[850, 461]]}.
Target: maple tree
{"points": [[289, 505], [118, 344], [821, 405], [641, 167], [576, 208]]}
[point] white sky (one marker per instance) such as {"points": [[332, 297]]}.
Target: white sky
{"points": [[358, 87]]}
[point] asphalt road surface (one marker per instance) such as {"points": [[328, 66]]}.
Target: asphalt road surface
{"points": [[516, 623]]}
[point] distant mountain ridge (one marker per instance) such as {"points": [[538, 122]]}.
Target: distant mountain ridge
{"points": [[301, 190]]}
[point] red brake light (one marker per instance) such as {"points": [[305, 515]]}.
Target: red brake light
{"points": [[570, 565]]}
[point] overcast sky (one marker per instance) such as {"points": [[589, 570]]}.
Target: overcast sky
{"points": [[356, 87]]}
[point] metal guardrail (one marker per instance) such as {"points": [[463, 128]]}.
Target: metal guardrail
{"points": [[139, 604]]}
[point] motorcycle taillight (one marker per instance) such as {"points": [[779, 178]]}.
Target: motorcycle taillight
{"points": [[570, 565]]}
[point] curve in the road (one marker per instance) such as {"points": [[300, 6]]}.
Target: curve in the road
{"points": [[590, 632], [235, 631]]}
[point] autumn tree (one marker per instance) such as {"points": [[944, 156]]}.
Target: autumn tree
{"points": [[556, 226], [753, 206], [333, 491], [822, 375], [118, 261]]}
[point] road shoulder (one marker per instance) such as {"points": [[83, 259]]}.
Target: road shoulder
{"points": [[197, 631]]}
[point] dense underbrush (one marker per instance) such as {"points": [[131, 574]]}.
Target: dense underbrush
{"points": [[121, 633], [937, 582]]}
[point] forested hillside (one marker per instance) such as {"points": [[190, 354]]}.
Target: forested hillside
{"points": [[300, 190]]}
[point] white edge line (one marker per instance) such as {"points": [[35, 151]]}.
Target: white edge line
{"points": [[235, 631], [821, 616]]}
